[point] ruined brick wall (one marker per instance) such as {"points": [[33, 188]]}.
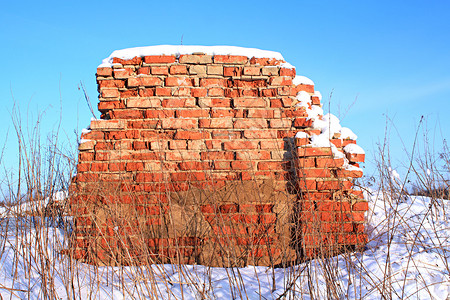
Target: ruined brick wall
{"points": [[195, 160]]}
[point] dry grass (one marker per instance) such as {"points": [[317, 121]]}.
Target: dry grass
{"points": [[35, 262]]}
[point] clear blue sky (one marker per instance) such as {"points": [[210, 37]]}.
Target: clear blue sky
{"points": [[393, 57]]}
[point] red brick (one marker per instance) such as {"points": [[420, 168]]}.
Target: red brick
{"points": [[314, 173], [260, 113], [252, 71], [133, 61], [178, 70], [143, 71], [179, 81], [104, 72], [274, 165], [221, 165], [192, 135], [122, 73], [144, 81], [260, 134], [265, 61], [363, 206], [232, 71], [143, 103], [217, 155], [277, 144], [220, 113], [215, 92], [158, 114], [213, 82], [216, 123], [247, 83], [314, 151], [109, 105], [147, 92], [163, 91], [181, 91], [183, 155], [305, 87], [302, 122], [280, 80], [135, 166], [242, 165], [192, 113], [110, 93], [214, 102], [249, 102], [194, 165], [287, 72], [199, 92], [179, 123], [353, 157], [111, 83], [334, 185], [127, 114], [159, 70], [250, 124], [158, 59], [230, 59], [239, 145], [178, 103], [253, 155], [99, 167]]}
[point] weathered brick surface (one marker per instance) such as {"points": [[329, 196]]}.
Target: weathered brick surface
{"points": [[195, 159]]}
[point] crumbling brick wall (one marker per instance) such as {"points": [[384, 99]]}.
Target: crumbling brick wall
{"points": [[195, 160]]}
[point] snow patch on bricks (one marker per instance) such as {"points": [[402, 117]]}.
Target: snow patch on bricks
{"points": [[182, 49]]}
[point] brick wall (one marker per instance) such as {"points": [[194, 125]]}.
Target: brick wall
{"points": [[195, 160]]}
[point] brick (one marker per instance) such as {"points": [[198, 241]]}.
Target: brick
{"points": [[194, 165], [226, 134], [213, 82], [144, 81], [274, 165], [158, 114], [254, 71], [305, 87], [178, 70], [179, 81], [147, 92], [249, 102], [179, 123], [183, 155], [195, 59], [216, 123], [278, 144], [192, 135], [92, 135], [197, 70], [99, 167], [122, 73], [280, 123], [353, 157], [270, 71], [221, 165], [143, 103], [163, 91], [270, 93], [280, 80], [108, 124], [242, 165], [178, 103], [314, 151], [237, 83], [127, 114], [111, 83], [232, 71], [157, 70], [181, 92], [192, 113], [287, 72], [143, 71], [213, 144], [360, 206], [214, 102], [230, 59], [220, 113], [253, 155], [109, 105], [110, 93], [265, 61], [143, 124], [260, 134], [196, 145], [334, 185], [217, 155], [260, 113], [215, 92], [199, 92], [250, 124], [215, 70], [133, 61], [104, 72], [158, 59], [314, 173], [239, 145]]}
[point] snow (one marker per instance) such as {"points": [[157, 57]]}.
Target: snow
{"points": [[82, 141], [182, 49], [347, 133], [408, 251], [302, 80], [301, 135], [353, 149], [85, 130]]}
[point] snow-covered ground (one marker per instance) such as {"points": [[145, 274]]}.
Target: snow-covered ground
{"points": [[406, 258]]}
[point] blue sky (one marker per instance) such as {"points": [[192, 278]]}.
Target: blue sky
{"points": [[392, 57]]}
